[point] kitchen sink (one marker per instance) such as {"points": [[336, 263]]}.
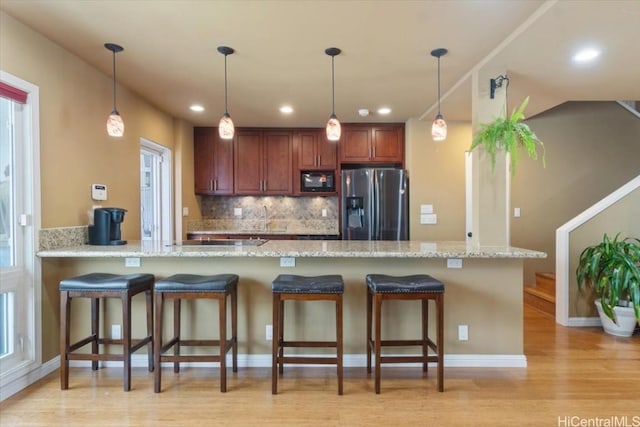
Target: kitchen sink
{"points": [[221, 242]]}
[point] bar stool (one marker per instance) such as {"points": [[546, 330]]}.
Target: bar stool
{"points": [[97, 286], [417, 287], [303, 288], [191, 287]]}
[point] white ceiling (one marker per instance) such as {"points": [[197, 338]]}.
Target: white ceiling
{"points": [[170, 55]]}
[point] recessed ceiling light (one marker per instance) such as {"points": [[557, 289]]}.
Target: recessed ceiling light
{"points": [[586, 55], [286, 109], [384, 110], [197, 108]]}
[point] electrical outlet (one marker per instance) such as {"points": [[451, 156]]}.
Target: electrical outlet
{"points": [[269, 332], [116, 332], [286, 261], [454, 263], [463, 332], [132, 262], [237, 211], [324, 212]]}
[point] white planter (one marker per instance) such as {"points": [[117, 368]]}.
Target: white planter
{"points": [[626, 321]]}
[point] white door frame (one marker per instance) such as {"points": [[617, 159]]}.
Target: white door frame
{"points": [[166, 212]]}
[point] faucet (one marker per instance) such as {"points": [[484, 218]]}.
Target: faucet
{"points": [[265, 217]]}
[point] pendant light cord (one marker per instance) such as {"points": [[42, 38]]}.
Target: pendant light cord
{"points": [[439, 86], [226, 111], [114, 81], [333, 87]]}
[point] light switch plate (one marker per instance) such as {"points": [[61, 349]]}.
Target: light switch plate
{"points": [[237, 211], [428, 219], [426, 209]]}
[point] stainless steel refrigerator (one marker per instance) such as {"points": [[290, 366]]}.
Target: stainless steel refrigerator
{"points": [[375, 203]]}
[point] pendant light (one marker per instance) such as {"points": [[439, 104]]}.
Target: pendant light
{"points": [[226, 129], [333, 125], [115, 125], [439, 127]]}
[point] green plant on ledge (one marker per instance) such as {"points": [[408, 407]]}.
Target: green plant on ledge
{"points": [[612, 269], [508, 134]]}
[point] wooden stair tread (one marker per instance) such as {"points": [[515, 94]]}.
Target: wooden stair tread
{"points": [[540, 293], [546, 282]]}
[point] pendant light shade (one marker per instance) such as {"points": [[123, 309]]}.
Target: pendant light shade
{"points": [[226, 130], [439, 127], [115, 125], [333, 124]]}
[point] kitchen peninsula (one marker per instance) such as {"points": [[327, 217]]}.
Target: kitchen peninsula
{"points": [[485, 293]]}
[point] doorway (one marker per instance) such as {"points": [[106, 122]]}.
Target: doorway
{"points": [[155, 192]]}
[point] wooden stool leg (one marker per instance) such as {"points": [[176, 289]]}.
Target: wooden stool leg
{"points": [[378, 338], [157, 342], [65, 318], [339, 341], [176, 333], [274, 343], [149, 299], [440, 345], [425, 334], [281, 336], [234, 328], [369, 324], [126, 335], [222, 309], [95, 330]]}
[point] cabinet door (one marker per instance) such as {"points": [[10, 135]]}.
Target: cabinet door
{"points": [[203, 160], [248, 163], [356, 144], [387, 144], [307, 154], [327, 152], [222, 165], [278, 162]]}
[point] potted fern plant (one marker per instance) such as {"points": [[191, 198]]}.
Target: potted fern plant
{"points": [[508, 134], [612, 269]]}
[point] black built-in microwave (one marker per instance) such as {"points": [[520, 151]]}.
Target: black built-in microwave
{"points": [[317, 181]]}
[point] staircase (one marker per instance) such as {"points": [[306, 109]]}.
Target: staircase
{"points": [[542, 295]]}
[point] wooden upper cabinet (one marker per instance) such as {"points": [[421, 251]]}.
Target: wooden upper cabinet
{"points": [[263, 162], [315, 152], [212, 162], [278, 162], [378, 143]]}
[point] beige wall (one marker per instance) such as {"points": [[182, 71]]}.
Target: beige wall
{"points": [[624, 218], [75, 150], [592, 149], [436, 177]]}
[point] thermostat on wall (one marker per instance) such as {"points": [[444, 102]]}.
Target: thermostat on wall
{"points": [[98, 192]]}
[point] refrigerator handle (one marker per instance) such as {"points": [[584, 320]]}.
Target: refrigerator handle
{"points": [[376, 206]]}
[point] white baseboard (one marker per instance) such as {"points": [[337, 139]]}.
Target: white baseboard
{"points": [[349, 361], [583, 321], [15, 385]]}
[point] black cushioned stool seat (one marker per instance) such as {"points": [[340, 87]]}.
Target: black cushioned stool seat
{"points": [[421, 287], [97, 286], [305, 288], [191, 287]]}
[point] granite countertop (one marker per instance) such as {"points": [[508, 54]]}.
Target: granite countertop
{"points": [[297, 248]]}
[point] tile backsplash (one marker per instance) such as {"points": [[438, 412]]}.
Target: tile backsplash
{"points": [[292, 215]]}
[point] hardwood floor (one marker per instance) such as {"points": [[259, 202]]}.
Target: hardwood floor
{"points": [[575, 376]]}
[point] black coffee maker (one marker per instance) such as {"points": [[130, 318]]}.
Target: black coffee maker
{"points": [[106, 226]]}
